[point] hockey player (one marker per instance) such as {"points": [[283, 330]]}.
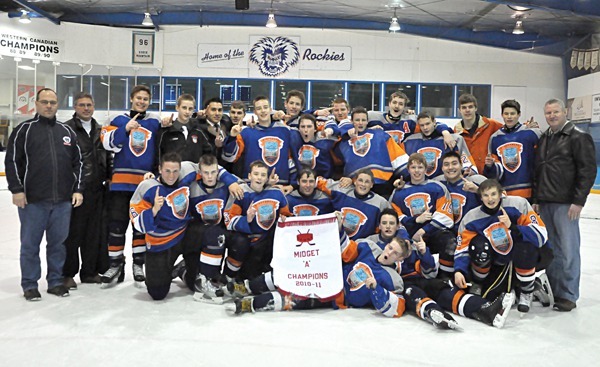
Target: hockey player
{"points": [[255, 216], [373, 149], [511, 153], [430, 143], [132, 138], [312, 149], [503, 232], [359, 206], [294, 108], [425, 209], [268, 142], [463, 190], [307, 200]]}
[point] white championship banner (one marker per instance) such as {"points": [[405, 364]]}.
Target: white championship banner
{"points": [[307, 260]]}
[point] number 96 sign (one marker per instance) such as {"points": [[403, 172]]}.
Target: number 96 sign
{"points": [[143, 48]]}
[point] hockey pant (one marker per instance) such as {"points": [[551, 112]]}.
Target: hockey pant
{"points": [[118, 221]]}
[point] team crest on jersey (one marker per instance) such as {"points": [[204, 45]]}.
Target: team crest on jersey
{"points": [[210, 210], [270, 147], [417, 203], [511, 155], [266, 211], [458, 203], [138, 140], [432, 156], [361, 144], [499, 237], [304, 210], [358, 275], [307, 155], [274, 55], [397, 135], [195, 139], [353, 220], [179, 201]]}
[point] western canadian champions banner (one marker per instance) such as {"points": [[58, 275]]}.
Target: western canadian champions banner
{"points": [[307, 260]]}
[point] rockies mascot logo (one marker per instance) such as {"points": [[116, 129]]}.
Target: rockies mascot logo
{"points": [[274, 56]]}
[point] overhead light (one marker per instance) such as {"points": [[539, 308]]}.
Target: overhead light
{"points": [[394, 25], [25, 19], [147, 20], [518, 8], [26, 67], [271, 23], [518, 28]]}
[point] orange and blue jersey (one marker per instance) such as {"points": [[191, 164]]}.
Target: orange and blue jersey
{"points": [[269, 144], [402, 127], [526, 226], [315, 154], [135, 151], [210, 206], [413, 200], [462, 201], [375, 150], [513, 150], [316, 204]]}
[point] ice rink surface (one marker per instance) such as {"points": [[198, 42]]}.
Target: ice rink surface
{"points": [[122, 326]]}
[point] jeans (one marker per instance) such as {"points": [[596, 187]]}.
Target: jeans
{"points": [[564, 271], [37, 218]]}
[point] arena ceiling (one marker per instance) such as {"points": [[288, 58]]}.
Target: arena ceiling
{"points": [[550, 27]]}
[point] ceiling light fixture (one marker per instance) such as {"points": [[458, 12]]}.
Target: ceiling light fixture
{"points": [[394, 25], [147, 22], [25, 19], [271, 23], [518, 27]]}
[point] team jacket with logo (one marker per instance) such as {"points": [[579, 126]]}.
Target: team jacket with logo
{"points": [[526, 226], [315, 154], [316, 204], [433, 148], [269, 204], [361, 215], [359, 263], [167, 228], [372, 149], [268, 144], [514, 153], [462, 201], [413, 200], [135, 151], [403, 128]]}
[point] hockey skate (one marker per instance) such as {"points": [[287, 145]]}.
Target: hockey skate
{"points": [[235, 289], [524, 302], [113, 275], [179, 270], [138, 275], [206, 291], [240, 306], [542, 291], [442, 320], [496, 312]]}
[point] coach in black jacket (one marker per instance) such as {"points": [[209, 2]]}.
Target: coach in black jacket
{"points": [[565, 170], [45, 175], [86, 233]]}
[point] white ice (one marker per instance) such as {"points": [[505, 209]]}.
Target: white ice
{"points": [[122, 326]]}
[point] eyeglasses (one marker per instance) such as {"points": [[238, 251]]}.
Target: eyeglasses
{"points": [[51, 103], [85, 105]]}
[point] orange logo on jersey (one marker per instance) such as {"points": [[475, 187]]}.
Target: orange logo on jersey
{"points": [[510, 154], [304, 210], [499, 237], [361, 144], [179, 201], [138, 140], [358, 275], [458, 203], [210, 210], [417, 203], [432, 155], [353, 220], [307, 155], [266, 211], [397, 135], [270, 147]]}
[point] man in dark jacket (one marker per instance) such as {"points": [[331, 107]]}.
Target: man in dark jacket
{"points": [[87, 220], [45, 175], [217, 127], [565, 170]]}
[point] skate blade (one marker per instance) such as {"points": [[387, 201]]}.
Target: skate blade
{"points": [[200, 297], [108, 285], [507, 303]]}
